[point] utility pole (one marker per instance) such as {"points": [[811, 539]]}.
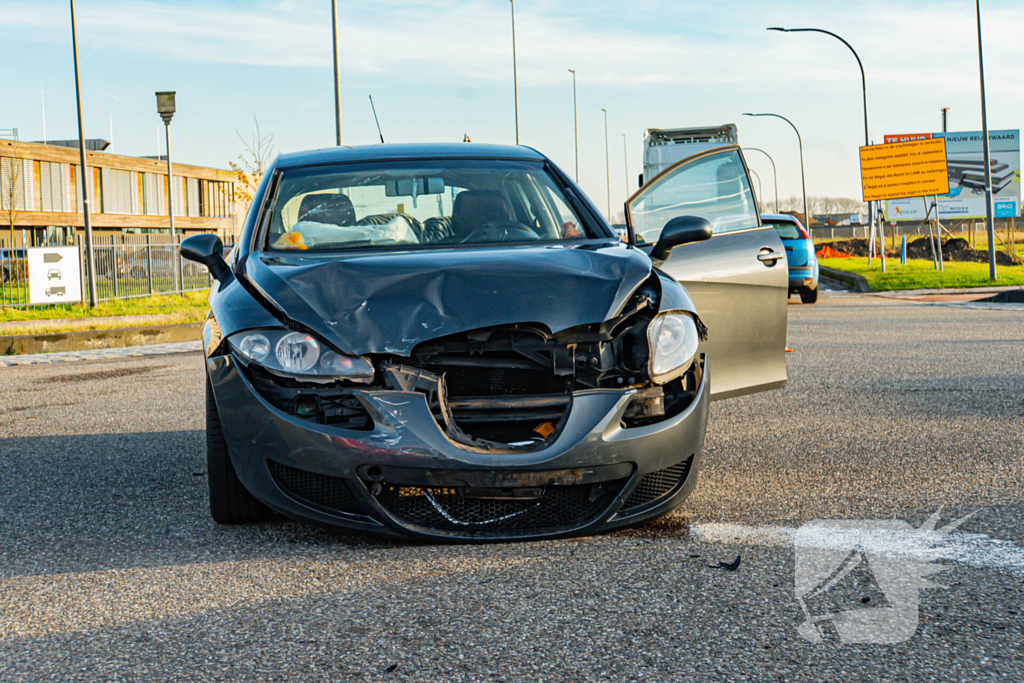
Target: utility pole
{"points": [[864, 92], [337, 74], [986, 153], [91, 265], [775, 174], [515, 72], [803, 180], [625, 162], [575, 124], [607, 165], [760, 198]]}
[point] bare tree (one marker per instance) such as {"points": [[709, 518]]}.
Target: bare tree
{"points": [[252, 164], [829, 206], [851, 206], [12, 190], [791, 204]]}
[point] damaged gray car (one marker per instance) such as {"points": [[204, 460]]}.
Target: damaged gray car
{"points": [[449, 342]]}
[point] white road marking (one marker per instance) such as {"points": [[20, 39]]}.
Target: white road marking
{"points": [[974, 550]]}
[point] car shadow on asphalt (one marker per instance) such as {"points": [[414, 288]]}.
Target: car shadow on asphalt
{"points": [[90, 502]]}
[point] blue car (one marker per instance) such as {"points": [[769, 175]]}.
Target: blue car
{"points": [[803, 265]]}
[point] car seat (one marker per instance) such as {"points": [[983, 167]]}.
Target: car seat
{"points": [[474, 208]]}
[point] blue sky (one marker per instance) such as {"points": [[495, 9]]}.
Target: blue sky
{"points": [[438, 70]]}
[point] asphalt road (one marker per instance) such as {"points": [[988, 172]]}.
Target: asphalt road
{"points": [[111, 569]]}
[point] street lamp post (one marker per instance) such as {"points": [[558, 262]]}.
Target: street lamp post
{"points": [[803, 180], [760, 196], [625, 162], [91, 265], [990, 223], [165, 107], [515, 72], [775, 174], [575, 124], [864, 91], [607, 165], [337, 74]]}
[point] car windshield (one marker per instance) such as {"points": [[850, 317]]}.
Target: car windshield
{"points": [[787, 230], [420, 203]]}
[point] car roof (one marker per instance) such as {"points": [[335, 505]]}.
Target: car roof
{"points": [[780, 218], [403, 152]]}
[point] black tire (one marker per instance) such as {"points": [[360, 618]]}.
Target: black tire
{"points": [[230, 502], [809, 296]]}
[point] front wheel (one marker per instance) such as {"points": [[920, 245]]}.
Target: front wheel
{"points": [[230, 502], [809, 296]]}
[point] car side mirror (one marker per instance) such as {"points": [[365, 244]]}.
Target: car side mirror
{"points": [[208, 250], [681, 230]]}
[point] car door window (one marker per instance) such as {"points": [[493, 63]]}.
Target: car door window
{"points": [[714, 187]]}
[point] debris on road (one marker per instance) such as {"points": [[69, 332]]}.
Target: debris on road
{"points": [[728, 566]]}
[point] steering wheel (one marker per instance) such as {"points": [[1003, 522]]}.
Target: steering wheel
{"points": [[500, 231]]}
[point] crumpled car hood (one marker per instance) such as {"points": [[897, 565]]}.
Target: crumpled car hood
{"points": [[389, 303]]}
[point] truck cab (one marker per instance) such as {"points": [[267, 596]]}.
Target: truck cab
{"points": [[666, 146]]}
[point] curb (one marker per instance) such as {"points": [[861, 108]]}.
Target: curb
{"points": [[99, 339], [857, 282]]}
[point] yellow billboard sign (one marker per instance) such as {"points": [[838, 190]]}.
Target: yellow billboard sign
{"points": [[904, 169]]}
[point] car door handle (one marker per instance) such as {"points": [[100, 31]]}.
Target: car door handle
{"points": [[770, 256]]}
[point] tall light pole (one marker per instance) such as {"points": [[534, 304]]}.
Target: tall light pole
{"points": [[775, 174], [91, 265], [625, 162], [760, 202], [575, 124], [803, 179], [864, 90], [165, 107], [607, 165], [515, 72], [337, 74], [986, 153]]}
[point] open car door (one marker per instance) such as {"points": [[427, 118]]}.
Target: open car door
{"points": [[738, 279]]}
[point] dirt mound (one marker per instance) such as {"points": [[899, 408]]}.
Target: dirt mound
{"points": [[828, 252], [953, 249], [854, 247]]}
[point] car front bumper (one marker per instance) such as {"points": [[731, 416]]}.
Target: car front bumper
{"points": [[405, 478]]}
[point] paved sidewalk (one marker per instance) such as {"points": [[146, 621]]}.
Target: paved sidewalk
{"points": [[97, 323], [102, 354]]}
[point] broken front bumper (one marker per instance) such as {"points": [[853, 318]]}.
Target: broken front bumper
{"points": [[404, 477]]}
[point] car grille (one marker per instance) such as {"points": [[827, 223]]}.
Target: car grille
{"points": [[510, 422], [495, 381], [658, 484], [448, 510], [320, 490]]}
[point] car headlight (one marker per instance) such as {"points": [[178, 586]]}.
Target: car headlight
{"points": [[300, 356], [672, 339]]}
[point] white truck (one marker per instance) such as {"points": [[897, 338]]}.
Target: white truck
{"points": [[665, 146]]}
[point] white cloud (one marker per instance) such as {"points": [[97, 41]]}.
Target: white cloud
{"points": [[463, 41], [653, 62]]}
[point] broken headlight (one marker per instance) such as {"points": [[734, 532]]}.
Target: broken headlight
{"points": [[672, 339], [300, 356]]}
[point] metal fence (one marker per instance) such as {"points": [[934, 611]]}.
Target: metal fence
{"points": [[127, 266], [909, 228]]}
